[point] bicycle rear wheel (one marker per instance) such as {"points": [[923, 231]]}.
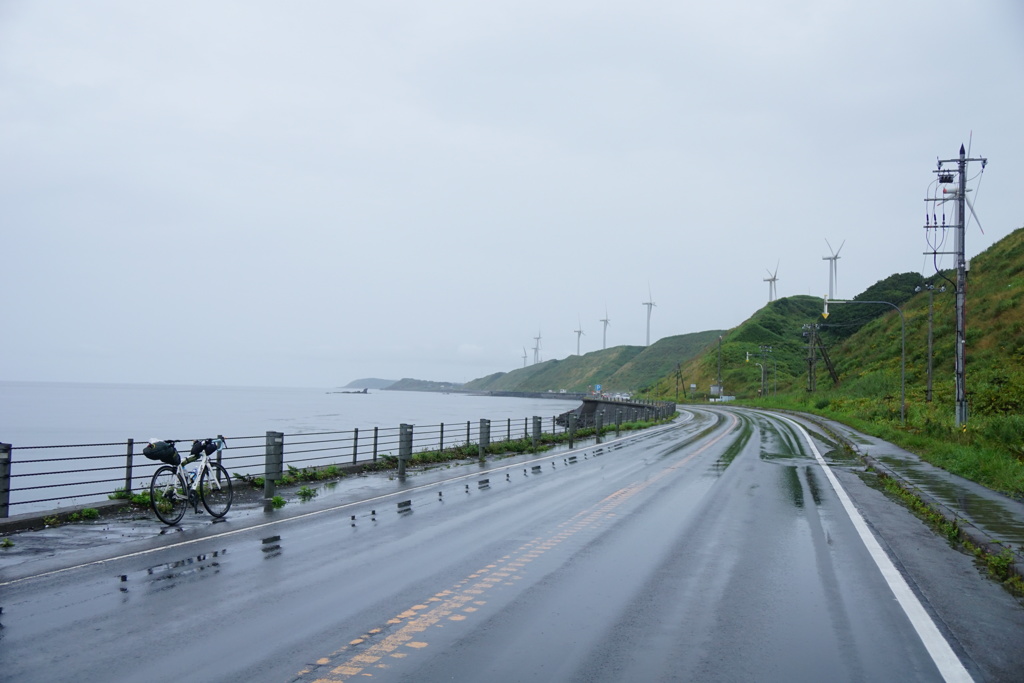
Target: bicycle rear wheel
{"points": [[215, 489], [168, 495]]}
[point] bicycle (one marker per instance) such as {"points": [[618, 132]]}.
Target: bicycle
{"points": [[173, 488]]}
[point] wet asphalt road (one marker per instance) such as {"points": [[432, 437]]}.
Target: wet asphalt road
{"points": [[714, 549]]}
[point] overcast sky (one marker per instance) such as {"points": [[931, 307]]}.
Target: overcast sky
{"points": [[305, 193]]}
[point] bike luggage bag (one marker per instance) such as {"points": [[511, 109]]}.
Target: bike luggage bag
{"points": [[162, 451]]}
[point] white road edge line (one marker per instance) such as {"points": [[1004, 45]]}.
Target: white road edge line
{"points": [[949, 665], [313, 513]]}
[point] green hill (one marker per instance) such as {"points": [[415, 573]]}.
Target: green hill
{"points": [[618, 369], [863, 342]]}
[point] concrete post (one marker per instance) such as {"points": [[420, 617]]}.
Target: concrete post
{"points": [[273, 466], [572, 429], [485, 437], [404, 448], [128, 468], [355, 445], [440, 445], [536, 432], [598, 424], [5, 480], [375, 444]]}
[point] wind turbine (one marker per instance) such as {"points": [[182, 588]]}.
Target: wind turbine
{"points": [[579, 333], [536, 349], [772, 277], [832, 280], [604, 337], [650, 306], [524, 356]]}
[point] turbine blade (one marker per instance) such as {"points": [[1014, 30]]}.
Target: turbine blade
{"points": [[971, 207]]}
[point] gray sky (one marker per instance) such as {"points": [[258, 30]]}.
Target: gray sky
{"points": [[305, 193]]}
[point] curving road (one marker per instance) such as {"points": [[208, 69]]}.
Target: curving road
{"points": [[727, 546]]}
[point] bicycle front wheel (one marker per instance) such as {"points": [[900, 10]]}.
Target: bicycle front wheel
{"points": [[215, 489], [168, 495]]}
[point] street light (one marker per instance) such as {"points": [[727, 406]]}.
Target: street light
{"points": [[931, 297], [903, 347], [721, 393]]}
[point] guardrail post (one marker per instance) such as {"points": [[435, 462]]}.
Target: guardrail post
{"points": [[572, 428], [440, 446], [598, 424], [355, 445], [467, 433], [375, 444], [128, 468], [273, 466], [536, 432], [404, 448], [485, 437], [5, 479]]}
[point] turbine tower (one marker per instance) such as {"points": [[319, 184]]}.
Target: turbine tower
{"points": [[832, 268], [650, 306], [579, 333], [524, 356], [604, 337], [536, 348], [772, 277]]}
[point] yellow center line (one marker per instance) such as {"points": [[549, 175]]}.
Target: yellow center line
{"points": [[453, 604]]}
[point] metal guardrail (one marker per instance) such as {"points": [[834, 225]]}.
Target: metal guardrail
{"points": [[79, 473]]}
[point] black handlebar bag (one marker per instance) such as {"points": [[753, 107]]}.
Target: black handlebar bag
{"points": [[162, 451]]}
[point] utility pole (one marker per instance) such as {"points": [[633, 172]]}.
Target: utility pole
{"points": [[954, 187], [811, 331]]}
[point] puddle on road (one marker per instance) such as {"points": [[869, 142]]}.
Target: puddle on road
{"points": [[794, 486], [167, 575], [270, 547]]}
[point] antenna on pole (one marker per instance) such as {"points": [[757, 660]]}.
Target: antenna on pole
{"points": [[772, 277], [650, 305], [832, 278], [604, 337]]}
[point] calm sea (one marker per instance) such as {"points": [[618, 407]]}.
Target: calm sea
{"points": [[46, 414], [65, 414]]}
